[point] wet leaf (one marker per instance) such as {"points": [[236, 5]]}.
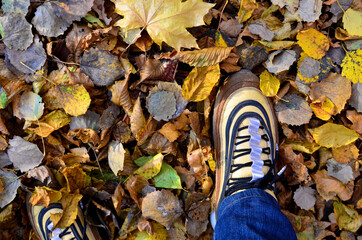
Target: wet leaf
{"points": [[120, 95], [101, 66], [10, 184], [151, 168], [294, 111], [310, 10], [43, 196], [53, 18], [280, 60], [352, 22], [335, 87], [347, 218], [304, 197], [161, 206], [74, 99], [167, 178], [341, 171], [204, 57], [345, 154], [333, 135], [163, 22], [351, 66], [314, 43], [19, 149], [199, 83], [30, 106], [116, 156], [269, 84], [16, 30]]}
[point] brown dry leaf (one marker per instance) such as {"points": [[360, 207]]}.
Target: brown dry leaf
{"points": [[77, 77], [75, 39], [3, 128], [161, 206], [100, 35], [345, 154], [159, 143], [120, 95], [86, 135], [134, 185], [328, 187], [144, 42], [204, 57], [181, 122], [356, 119], [230, 64], [76, 178], [146, 131], [335, 87], [169, 130], [43, 196], [151, 168], [138, 120], [199, 83], [152, 69], [117, 197], [196, 160]]}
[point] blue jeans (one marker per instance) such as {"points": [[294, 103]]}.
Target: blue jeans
{"points": [[252, 214]]}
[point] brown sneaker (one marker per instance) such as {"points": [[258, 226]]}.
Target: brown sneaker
{"points": [[245, 139]]}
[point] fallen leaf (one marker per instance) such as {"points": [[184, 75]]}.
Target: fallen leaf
{"points": [[101, 66], [356, 119], [231, 27], [252, 56], [120, 95], [345, 154], [10, 184], [280, 60], [19, 149], [86, 135], [151, 69], [328, 187], [246, 9], [289, 4], [151, 168], [88, 120], [74, 99], [333, 135], [306, 147], [310, 10], [116, 156], [260, 29], [269, 84], [196, 228], [322, 109], [76, 178], [51, 122], [314, 43], [352, 22], [167, 178], [161, 206], [146, 131], [18, 6], [347, 218], [304, 197], [43, 196], [100, 9], [159, 143], [341, 171], [42, 174], [134, 185], [356, 98], [122, 132], [351, 66], [16, 31], [137, 118], [53, 18], [75, 39], [277, 45], [293, 111], [30, 60], [309, 68], [30, 106], [335, 87], [204, 57], [169, 130], [199, 83], [163, 22]]}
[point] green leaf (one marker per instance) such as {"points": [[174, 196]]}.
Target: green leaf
{"points": [[3, 100], [142, 160], [167, 178]]}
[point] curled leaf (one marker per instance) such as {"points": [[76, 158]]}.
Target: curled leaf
{"points": [[137, 118], [120, 95]]}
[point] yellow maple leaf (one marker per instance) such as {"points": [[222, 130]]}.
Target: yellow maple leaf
{"points": [[164, 20], [323, 109], [199, 83], [352, 66], [352, 22], [333, 135], [269, 84], [314, 43]]}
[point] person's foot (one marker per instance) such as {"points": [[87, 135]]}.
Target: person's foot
{"points": [[245, 138], [43, 227]]}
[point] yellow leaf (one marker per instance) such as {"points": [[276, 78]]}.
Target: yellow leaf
{"points": [[51, 122], [73, 98], [347, 218], [352, 66], [322, 109], [345, 154], [204, 57], [219, 40], [43, 196], [276, 45], [199, 83], [246, 9], [70, 210], [314, 43], [138, 120], [76, 178], [352, 22], [333, 135], [151, 168], [165, 21], [269, 84], [305, 146]]}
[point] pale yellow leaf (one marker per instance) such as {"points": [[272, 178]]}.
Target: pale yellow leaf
{"points": [[352, 22], [204, 57]]}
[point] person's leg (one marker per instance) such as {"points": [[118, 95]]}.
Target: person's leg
{"points": [[252, 214], [245, 137]]}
